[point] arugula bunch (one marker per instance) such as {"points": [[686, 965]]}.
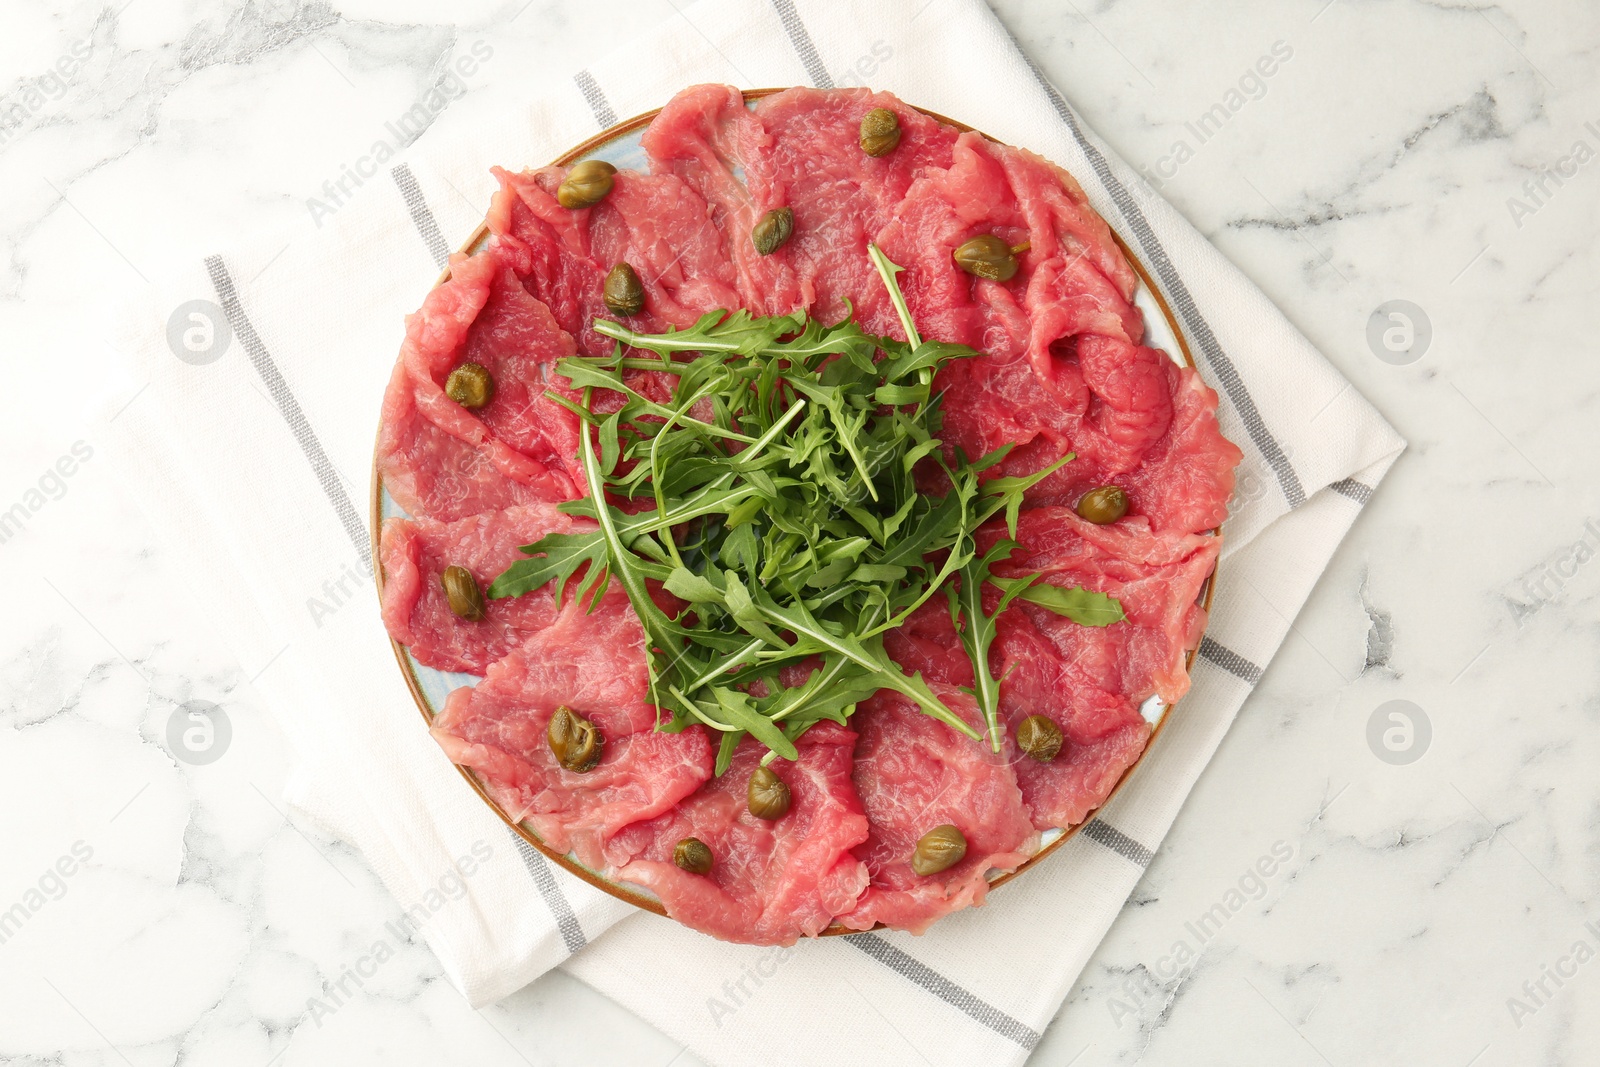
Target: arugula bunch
{"points": [[786, 515]]}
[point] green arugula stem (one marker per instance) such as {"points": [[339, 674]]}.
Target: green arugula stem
{"points": [[755, 450], [887, 270]]}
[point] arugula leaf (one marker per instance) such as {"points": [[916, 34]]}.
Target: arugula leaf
{"points": [[725, 750], [739, 710], [830, 692], [1007, 492], [817, 341], [1082, 606], [630, 576], [555, 558], [928, 355], [888, 269], [715, 331], [687, 585], [977, 630], [742, 606], [867, 653]]}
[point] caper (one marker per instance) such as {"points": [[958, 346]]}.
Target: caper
{"points": [[470, 385], [769, 797], [1104, 505], [773, 231], [939, 849], [987, 256], [586, 184], [624, 292], [693, 855], [574, 741], [466, 599], [1039, 737], [880, 131]]}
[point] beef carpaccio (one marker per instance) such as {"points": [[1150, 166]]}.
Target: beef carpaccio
{"points": [[1063, 369]]}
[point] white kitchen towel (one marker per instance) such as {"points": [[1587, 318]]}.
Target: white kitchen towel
{"points": [[248, 437]]}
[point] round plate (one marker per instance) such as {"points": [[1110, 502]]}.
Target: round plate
{"points": [[620, 146]]}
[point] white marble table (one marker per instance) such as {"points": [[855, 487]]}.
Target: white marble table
{"points": [[1429, 912]]}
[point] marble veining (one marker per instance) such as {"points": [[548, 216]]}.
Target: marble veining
{"points": [[1423, 913]]}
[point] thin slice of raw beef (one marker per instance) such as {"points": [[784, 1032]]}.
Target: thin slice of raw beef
{"points": [[915, 773], [655, 223], [841, 197], [709, 139], [771, 882], [998, 399], [1139, 421], [431, 473], [1060, 221], [1156, 576], [1106, 401], [415, 553], [799, 149], [1072, 277], [593, 663], [1130, 405], [1186, 478], [1032, 390], [927, 644], [516, 339], [1104, 731], [474, 316]]}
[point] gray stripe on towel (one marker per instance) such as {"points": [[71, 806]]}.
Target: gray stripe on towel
{"points": [[914, 969], [1229, 660], [1103, 832], [603, 113], [290, 409], [804, 47], [1353, 489], [421, 217], [545, 879], [1221, 365]]}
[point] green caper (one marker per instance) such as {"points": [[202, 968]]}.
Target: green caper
{"points": [[586, 184], [1104, 505], [574, 741], [880, 131], [769, 797], [693, 855], [987, 256], [1039, 737], [939, 849], [461, 589], [624, 292], [772, 232], [470, 385]]}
